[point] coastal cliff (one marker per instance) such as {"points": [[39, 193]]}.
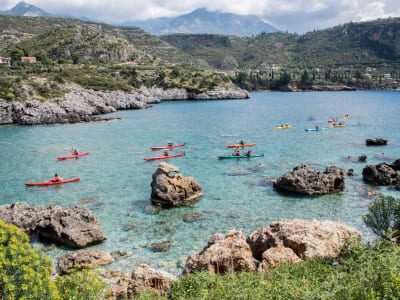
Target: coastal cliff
{"points": [[82, 105]]}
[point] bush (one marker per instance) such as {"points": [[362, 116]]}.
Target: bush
{"points": [[361, 272], [24, 272], [383, 217]]}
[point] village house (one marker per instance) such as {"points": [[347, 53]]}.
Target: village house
{"points": [[28, 59], [5, 61], [368, 69], [387, 77]]}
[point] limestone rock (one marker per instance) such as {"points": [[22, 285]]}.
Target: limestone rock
{"points": [[83, 258], [309, 181], [277, 255], [260, 241], [383, 174], [222, 254], [161, 247], [310, 238], [71, 226], [376, 142], [173, 191]]}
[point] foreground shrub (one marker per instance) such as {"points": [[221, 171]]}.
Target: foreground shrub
{"points": [[361, 272], [24, 272]]}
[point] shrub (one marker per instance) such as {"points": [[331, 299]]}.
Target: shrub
{"points": [[24, 272]]}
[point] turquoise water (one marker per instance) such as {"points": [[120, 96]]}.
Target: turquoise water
{"points": [[115, 181]]}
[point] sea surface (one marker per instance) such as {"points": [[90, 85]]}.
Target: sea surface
{"points": [[115, 180]]}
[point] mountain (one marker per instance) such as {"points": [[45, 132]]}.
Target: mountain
{"points": [[351, 44], [203, 21], [27, 10]]}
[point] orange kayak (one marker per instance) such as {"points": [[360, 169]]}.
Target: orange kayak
{"points": [[240, 145]]}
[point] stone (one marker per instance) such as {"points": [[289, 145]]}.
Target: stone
{"points": [[161, 247], [383, 174], [191, 217], [173, 191], [71, 226], [222, 254], [82, 259], [111, 274], [277, 255], [260, 241], [362, 158], [376, 142], [118, 254], [312, 182], [311, 238]]}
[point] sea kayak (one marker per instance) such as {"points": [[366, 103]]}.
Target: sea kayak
{"points": [[52, 182], [314, 129], [241, 156], [283, 127], [346, 117], [334, 126], [167, 147], [240, 145], [311, 119], [332, 121], [72, 156], [164, 156]]}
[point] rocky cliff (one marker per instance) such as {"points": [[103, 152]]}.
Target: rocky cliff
{"points": [[81, 105]]}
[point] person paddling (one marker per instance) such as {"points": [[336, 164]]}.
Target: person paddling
{"points": [[241, 142], [236, 153], [248, 154], [76, 152], [56, 178], [166, 153]]}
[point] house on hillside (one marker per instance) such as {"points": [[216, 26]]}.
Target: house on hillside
{"points": [[387, 78], [5, 61], [28, 59], [127, 63]]}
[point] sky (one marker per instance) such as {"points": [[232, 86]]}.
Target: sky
{"points": [[293, 15]]}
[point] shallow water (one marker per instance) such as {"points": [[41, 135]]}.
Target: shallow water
{"points": [[115, 181]]}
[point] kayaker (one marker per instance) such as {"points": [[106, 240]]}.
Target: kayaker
{"points": [[76, 152], [166, 153], [248, 154], [317, 127], [236, 153], [382, 154], [241, 143], [287, 125], [170, 144], [56, 178]]}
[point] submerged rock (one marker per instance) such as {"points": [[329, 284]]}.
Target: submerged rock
{"points": [[383, 174], [222, 254], [309, 181], [71, 226], [376, 142], [362, 158], [191, 217], [82, 259], [161, 247], [173, 191]]}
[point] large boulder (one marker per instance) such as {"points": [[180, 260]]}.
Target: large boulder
{"points": [[222, 254], [173, 191], [309, 181], [82, 259], [383, 174], [376, 142], [311, 238], [260, 241], [277, 255], [75, 227]]}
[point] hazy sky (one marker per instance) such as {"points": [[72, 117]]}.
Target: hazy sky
{"points": [[292, 15]]}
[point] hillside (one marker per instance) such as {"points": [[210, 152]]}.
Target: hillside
{"points": [[349, 44], [204, 21]]}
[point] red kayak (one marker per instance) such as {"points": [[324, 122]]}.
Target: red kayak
{"points": [[52, 182], [164, 157], [167, 147], [72, 156]]}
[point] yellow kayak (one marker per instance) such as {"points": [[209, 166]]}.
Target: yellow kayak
{"points": [[346, 117], [283, 127], [334, 126]]}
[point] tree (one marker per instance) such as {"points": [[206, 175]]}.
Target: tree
{"points": [[16, 53]]}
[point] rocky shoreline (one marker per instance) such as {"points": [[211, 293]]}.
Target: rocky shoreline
{"points": [[82, 105]]}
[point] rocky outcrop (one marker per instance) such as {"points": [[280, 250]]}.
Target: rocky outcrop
{"points": [[277, 255], [173, 191], [376, 142], [82, 259], [222, 254], [260, 241], [142, 279], [361, 159], [194, 94], [72, 226], [309, 181], [383, 174]]}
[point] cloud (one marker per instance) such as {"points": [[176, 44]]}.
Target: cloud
{"points": [[292, 15]]}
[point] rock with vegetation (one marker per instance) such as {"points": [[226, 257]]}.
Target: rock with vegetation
{"points": [[223, 254], [383, 174], [173, 191], [312, 182], [72, 226], [376, 142], [83, 259]]}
